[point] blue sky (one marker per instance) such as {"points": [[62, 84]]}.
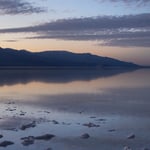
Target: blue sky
{"points": [[114, 28]]}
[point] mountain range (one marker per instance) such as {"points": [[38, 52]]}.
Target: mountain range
{"points": [[23, 58]]}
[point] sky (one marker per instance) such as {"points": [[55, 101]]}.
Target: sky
{"points": [[112, 28]]}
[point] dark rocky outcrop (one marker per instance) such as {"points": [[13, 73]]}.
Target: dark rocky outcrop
{"points": [[6, 143]]}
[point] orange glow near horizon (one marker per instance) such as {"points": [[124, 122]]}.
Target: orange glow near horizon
{"points": [[125, 54]]}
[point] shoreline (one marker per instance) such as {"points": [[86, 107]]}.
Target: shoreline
{"points": [[67, 67]]}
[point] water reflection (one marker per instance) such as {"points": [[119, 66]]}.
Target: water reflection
{"points": [[113, 99], [11, 77], [95, 91], [30, 84]]}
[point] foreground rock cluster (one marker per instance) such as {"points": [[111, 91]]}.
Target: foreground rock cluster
{"points": [[30, 140]]}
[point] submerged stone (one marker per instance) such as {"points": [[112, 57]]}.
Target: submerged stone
{"points": [[91, 125], [49, 149], [45, 137], [127, 148], [132, 136], [55, 122], [111, 130], [6, 143], [28, 142], [85, 136], [30, 125]]}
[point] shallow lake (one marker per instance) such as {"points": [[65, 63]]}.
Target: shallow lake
{"points": [[109, 105]]}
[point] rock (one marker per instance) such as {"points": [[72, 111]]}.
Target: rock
{"points": [[30, 125], [1, 136], [6, 143], [91, 125], [85, 136], [9, 103], [111, 130], [92, 117], [64, 123], [49, 149], [22, 113], [29, 137], [145, 149], [27, 140], [9, 109], [132, 136], [81, 112], [12, 129], [55, 122], [127, 148], [102, 119], [45, 137], [47, 112]]}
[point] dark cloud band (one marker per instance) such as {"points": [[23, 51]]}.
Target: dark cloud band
{"points": [[128, 30], [90, 24], [13, 7], [128, 2]]}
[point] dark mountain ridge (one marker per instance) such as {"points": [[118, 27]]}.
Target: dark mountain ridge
{"points": [[22, 58]]}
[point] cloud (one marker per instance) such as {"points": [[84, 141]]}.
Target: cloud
{"points": [[127, 2], [129, 42], [101, 23], [127, 30], [13, 7], [10, 40]]}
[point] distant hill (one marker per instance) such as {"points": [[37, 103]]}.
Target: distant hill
{"points": [[22, 58]]}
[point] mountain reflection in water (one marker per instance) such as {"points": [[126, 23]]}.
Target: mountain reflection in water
{"points": [[23, 76]]}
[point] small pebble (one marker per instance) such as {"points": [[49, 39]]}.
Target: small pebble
{"points": [[111, 130], [132, 136], [127, 148], [85, 136], [27, 142], [91, 125], [49, 149], [44, 137], [55, 122]]}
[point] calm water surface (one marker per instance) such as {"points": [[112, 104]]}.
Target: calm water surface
{"points": [[118, 101]]}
